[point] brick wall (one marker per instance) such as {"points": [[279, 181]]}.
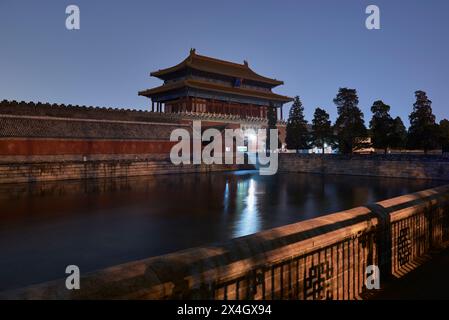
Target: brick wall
{"points": [[80, 112], [53, 150]]}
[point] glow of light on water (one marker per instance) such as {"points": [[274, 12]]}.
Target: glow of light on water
{"points": [[249, 221], [226, 198]]}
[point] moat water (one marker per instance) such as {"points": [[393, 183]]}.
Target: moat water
{"points": [[95, 224]]}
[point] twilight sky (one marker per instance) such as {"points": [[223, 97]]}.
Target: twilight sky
{"points": [[315, 47]]}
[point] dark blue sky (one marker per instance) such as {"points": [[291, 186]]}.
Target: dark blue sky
{"points": [[315, 47]]}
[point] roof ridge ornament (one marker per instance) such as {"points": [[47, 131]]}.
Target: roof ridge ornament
{"points": [[192, 51], [245, 62]]}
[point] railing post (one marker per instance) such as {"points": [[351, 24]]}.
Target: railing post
{"points": [[428, 214], [383, 240]]}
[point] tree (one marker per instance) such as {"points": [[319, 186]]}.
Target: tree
{"points": [[422, 133], [350, 126], [398, 138], [321, 129], [381, 126], [444, 135], [297, 133], [272, 121]]}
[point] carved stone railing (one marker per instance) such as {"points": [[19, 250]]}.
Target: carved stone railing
{"points": [[322, 258]]}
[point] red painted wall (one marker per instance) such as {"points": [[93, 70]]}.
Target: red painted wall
{"points": [[29, 147]]}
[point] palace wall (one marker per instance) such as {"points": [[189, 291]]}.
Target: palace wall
{"points": [[42, 142], [322, 258], [407, 166], [52, 133]]}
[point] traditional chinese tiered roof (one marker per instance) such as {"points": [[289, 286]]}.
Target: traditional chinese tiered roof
{"points": [[209, 78], [211, 65]]}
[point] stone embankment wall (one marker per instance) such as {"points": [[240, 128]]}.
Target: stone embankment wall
{"points": [[34, 172], [322, 258], [399, 166]]}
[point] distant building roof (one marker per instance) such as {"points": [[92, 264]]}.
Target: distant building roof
{"points": [[213, 65]]}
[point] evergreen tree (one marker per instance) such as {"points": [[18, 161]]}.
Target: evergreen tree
{"points": [[444, 135], [321, 129], [297, 133], [422, 133], [272, 121], [381, 126], [398, 138], [350, 126]]}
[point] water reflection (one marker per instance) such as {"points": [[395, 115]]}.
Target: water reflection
{"points": [[249, 221], [95, 224]]}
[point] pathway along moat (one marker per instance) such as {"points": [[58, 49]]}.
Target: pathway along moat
{"points": [[95, 224]]}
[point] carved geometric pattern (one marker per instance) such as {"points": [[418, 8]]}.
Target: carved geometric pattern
{"points": [[404, 247], [317, 283]]}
